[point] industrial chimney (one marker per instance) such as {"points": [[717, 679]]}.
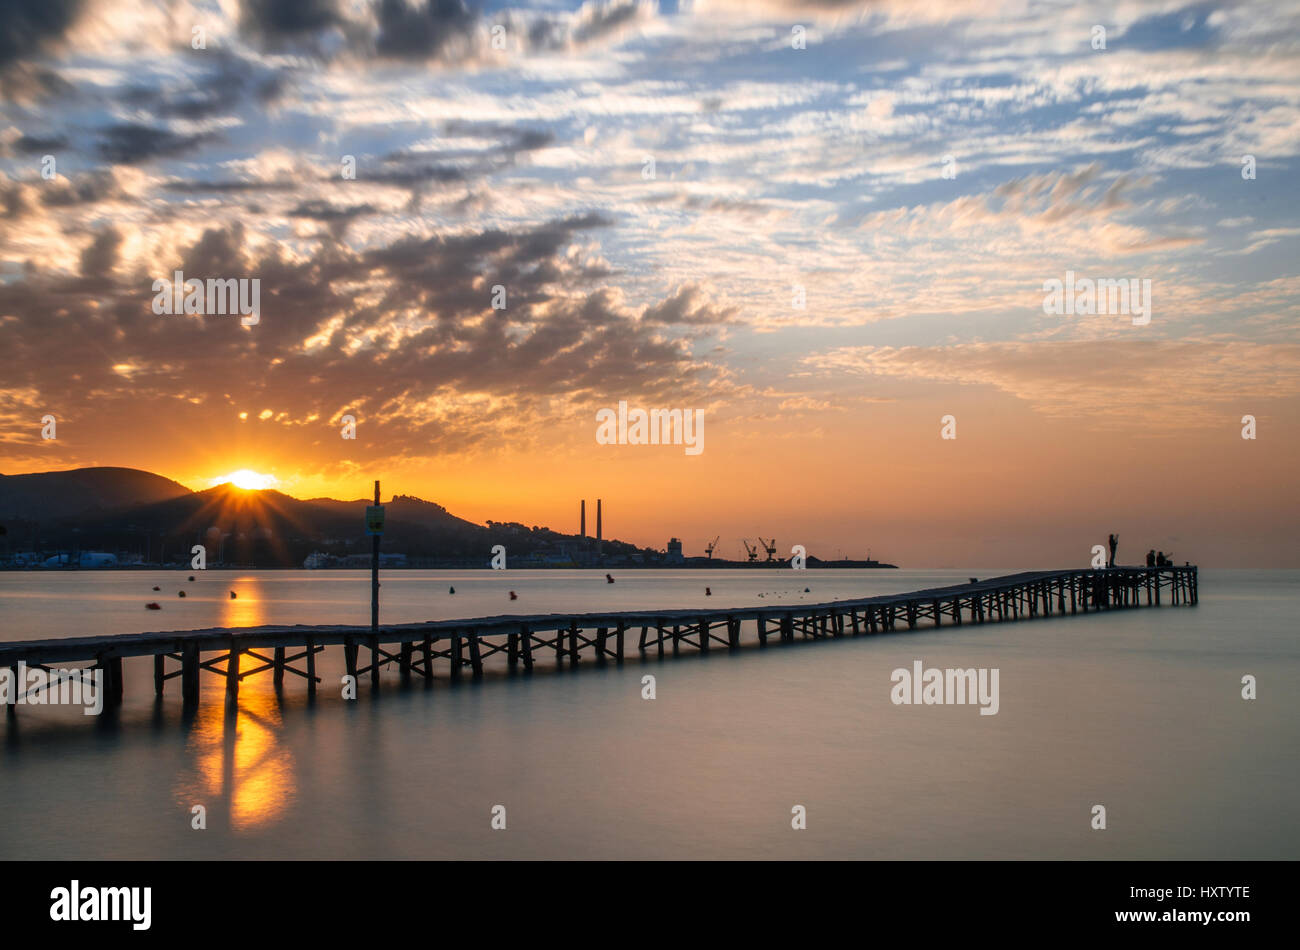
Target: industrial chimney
{"points": [[582, 518], [598, 536]]}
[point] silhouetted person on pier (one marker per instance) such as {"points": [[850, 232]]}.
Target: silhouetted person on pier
{"points": [[1114, 545], [1161, 560], [1151, 558]]}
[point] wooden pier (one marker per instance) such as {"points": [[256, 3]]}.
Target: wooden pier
{"points": [[418, 649]]}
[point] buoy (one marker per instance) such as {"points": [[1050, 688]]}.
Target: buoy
{"points": [[608, 579], [180, 593], [153, 605], [806, 591], [514, 596], [232, 595], [451, 590], [191, 577], [708, 592], [156, 587]]}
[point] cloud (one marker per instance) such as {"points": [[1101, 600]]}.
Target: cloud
{"points": [[422, 30], [29, 31], [99, 259], [277, 20], [131, 143], [690, 304], [404, 333], [1110, 383]]}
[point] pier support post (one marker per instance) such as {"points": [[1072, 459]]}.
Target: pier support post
{"points": [[911, 615], [404, 664], [428, 658], [232, 671], [618, 638], [602, 634], [573, 642], [278, 676], [350, 658], [762, 630], [475, 655], [512, 650], [311, 667], [114, 677], [457, 654], [374, 660], [526, 645], [158, 673], [190, 674]]}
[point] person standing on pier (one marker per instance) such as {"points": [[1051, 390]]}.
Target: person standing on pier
{"points": [[1114, 545], [1151, 558]]}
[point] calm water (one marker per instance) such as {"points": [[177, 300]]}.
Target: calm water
{"points": [[1139, 711]]}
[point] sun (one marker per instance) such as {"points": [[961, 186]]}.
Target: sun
{"points": [[246, 479]]}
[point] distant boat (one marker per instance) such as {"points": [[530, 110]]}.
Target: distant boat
{"points": [[315, 560]]}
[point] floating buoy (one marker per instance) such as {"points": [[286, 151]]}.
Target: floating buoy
{"points": [[514, 596], [232, 595], [608, 579], [180, 593], [708, 592], [806, 590], [451, 590], [191, 577], [156, 587], [153, 605]]}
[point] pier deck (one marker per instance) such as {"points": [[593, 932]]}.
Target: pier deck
{"points": [[418, 648]]}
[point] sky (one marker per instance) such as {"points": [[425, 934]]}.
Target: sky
{"points": [[822, 227]]}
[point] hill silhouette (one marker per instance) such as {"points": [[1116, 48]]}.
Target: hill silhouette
{"points": [[81, 491], [136, 512]]}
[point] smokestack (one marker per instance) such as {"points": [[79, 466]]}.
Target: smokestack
{"points": [[597, 527], [582, 519]]}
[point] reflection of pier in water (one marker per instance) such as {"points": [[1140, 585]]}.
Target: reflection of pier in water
{"points": [[416, 648]]}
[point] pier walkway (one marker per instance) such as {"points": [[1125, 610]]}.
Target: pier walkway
{"points": [[418, 649]]}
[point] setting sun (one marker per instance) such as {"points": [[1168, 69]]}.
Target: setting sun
{"points": [[246, 479]]}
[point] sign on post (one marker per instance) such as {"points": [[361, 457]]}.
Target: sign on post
{"points": [[374, 519]]}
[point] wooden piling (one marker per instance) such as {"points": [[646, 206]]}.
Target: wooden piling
{"points": [[475, 654], [190, 673], [311, 667], [232, 671]]}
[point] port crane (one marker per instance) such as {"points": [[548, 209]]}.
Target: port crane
{"points": [[750, 549], [708, 550], [769, 547]]}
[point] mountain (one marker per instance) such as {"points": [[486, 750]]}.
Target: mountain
{"points": [[81, 492], [134, 513]]}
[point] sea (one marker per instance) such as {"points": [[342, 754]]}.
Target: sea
{"points": [[789, 751]]}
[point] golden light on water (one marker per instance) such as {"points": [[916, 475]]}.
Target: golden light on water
{"points": [[240, 767]]}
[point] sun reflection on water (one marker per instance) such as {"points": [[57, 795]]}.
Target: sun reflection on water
{"points": [[236, 757]]}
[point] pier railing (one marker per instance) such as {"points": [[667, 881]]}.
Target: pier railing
{"points": [[417, 649]]}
